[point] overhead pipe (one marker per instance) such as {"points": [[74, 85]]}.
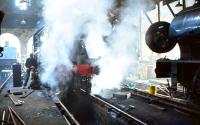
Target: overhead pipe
{"points": [[170, 9], [158, 11]]}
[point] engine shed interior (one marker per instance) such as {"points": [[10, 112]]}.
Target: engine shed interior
{"points": [[100, 62]]}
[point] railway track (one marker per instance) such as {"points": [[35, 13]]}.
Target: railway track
{"points": [[128, 117], [163, 104], [181, 105], [5, 82], [69, 118], [131, 120]]}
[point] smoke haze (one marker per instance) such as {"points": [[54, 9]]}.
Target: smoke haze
{"points": [[67, 19], [122, 53]]}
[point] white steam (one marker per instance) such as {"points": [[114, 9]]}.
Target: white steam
{"points": [[66, 19], [189, 2], [121, 55]]}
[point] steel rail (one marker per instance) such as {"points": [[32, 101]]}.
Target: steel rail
{"points": [[120, 111], [183, 106], [107, 104], [75, 122]]}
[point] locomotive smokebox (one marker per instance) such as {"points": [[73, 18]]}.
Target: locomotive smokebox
{"points": [[157, 38]]}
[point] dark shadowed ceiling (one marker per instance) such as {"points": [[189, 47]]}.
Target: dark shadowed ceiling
{"points": [[17, 18], [32, 17]]}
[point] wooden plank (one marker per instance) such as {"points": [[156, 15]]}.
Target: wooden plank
{"points": [[3, 117], [17, 116], [15, 100], [12, 117], [38, 110], [26, 93], [17, 89], [22, 92]]}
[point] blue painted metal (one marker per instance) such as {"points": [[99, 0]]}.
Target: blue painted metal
{"points": [[186, 23]]}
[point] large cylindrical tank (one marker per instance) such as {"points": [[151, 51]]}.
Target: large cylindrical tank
{"points": [[186, 23], [185, 29]]}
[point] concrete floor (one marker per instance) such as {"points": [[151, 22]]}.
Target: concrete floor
{"points": [[38, 108]]}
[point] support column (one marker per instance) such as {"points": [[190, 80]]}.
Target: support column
{"points": [[23, 35]]}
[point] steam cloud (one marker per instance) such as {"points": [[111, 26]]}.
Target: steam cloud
{"points": [[189, 2], [121, 56], [66, 19]]}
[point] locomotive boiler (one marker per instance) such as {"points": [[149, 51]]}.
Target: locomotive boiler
{"points": [[184, 30]]}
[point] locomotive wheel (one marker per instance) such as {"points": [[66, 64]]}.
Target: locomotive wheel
{"points": [[196, 84]]}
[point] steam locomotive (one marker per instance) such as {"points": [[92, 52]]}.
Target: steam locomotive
{"points": [[84, 68], [80, 77], [184, 30]]}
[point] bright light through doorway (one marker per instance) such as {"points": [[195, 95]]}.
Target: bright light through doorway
{"points": [[22, 4], [12, 41]]}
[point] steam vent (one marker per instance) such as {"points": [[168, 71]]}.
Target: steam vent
{"points": [[99, 62]]}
